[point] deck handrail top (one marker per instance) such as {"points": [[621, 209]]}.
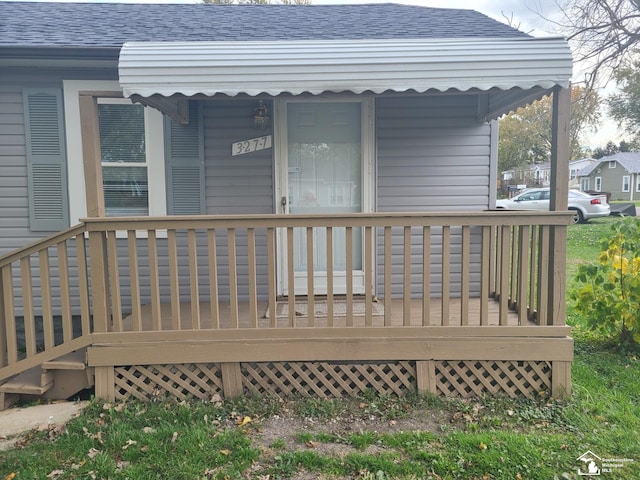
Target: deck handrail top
{"points": [[42, 243], [378, 219]]}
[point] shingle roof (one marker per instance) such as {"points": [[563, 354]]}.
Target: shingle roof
{"points": [[630, 161], [111, 24]]}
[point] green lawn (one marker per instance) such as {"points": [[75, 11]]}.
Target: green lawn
{"points": [[374, 438]]}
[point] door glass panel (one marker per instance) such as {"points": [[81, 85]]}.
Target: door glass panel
{"points": [[325, 175]]}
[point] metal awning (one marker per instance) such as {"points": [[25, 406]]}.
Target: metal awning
{"points": [[148, 69]]}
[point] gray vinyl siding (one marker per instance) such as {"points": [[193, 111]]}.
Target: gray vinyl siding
{"points": [[432, 156], [240, 184]]}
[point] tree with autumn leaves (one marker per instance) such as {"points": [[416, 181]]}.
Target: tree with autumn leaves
{"points": [[525, 135]]}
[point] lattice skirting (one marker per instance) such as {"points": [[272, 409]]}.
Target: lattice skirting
{"points": [[475, 378], [199, 380], [328, 379], [334, 379]]}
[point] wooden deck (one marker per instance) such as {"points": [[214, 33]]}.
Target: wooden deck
{"points": [[189, 306], [321, 319]]}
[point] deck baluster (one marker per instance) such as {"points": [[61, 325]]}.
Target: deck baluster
{"points": [[426, 276], [193, 279], [45, 286], [213, 279], [446, 275]]}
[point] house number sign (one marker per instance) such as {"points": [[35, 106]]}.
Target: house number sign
{"points": [[251, 145]]}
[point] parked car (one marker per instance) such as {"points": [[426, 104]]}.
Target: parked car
{"points": [[584, 205]]}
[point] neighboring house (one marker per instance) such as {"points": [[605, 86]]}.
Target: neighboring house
{"points": [[533, 175], [186, 186], [618, 174], [575, 167], [539, 174]]}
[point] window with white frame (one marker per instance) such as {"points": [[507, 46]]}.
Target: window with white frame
{"points": [[584, 185], [598, 184], [612, 164], [626, 183], [151, 170], [123, 149]]}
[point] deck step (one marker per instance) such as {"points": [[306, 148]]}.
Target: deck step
{"points": [[31, 382], [71, 361]]}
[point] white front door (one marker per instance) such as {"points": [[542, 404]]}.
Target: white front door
{"points": [[322, 171]]}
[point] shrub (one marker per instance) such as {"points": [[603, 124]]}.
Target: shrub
{"points": [[607, 293]]}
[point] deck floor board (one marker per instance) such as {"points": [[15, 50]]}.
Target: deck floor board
{"points": [[244, 320]]}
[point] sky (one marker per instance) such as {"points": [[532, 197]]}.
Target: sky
{"points": [[526, 15]]}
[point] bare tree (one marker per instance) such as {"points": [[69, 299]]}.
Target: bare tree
{"points": [[604, 33]]}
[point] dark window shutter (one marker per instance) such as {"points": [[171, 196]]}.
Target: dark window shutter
{"points": [[185, 164], [46, 160]]}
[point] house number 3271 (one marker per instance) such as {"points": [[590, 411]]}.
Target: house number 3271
{"points": [[251, 145]]}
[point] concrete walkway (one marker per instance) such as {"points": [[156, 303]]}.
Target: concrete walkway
{"points": [[16, 421]]}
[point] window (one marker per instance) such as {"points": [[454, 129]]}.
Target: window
{"points": [[124, 158], [598, 184], [626, 183], [530, 196], [153, 168], [637, 182], [612, 164], [585, 184]]}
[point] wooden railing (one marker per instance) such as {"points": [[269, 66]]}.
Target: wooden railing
{"points": [[44, 301], [230, 272]]}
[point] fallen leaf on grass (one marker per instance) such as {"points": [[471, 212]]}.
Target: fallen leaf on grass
{"points": [[149, 430], [11, 476], [242, 421], [482, 446], [93, 453], [55, 474], [225, 452], [129, 443], [174, 437]]}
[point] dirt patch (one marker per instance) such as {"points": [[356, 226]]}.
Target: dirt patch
{"points": [[284, 431]]}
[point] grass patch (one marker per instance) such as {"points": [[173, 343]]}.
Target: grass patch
{"points": [[583, 242]]}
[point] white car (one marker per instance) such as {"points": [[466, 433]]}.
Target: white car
{"points": [[584, 205]]}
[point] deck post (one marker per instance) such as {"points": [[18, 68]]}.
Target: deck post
{"points": [[92, 157], [426, 377], [105, 383], [231, 379], [559, 199], [561, 380]]}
